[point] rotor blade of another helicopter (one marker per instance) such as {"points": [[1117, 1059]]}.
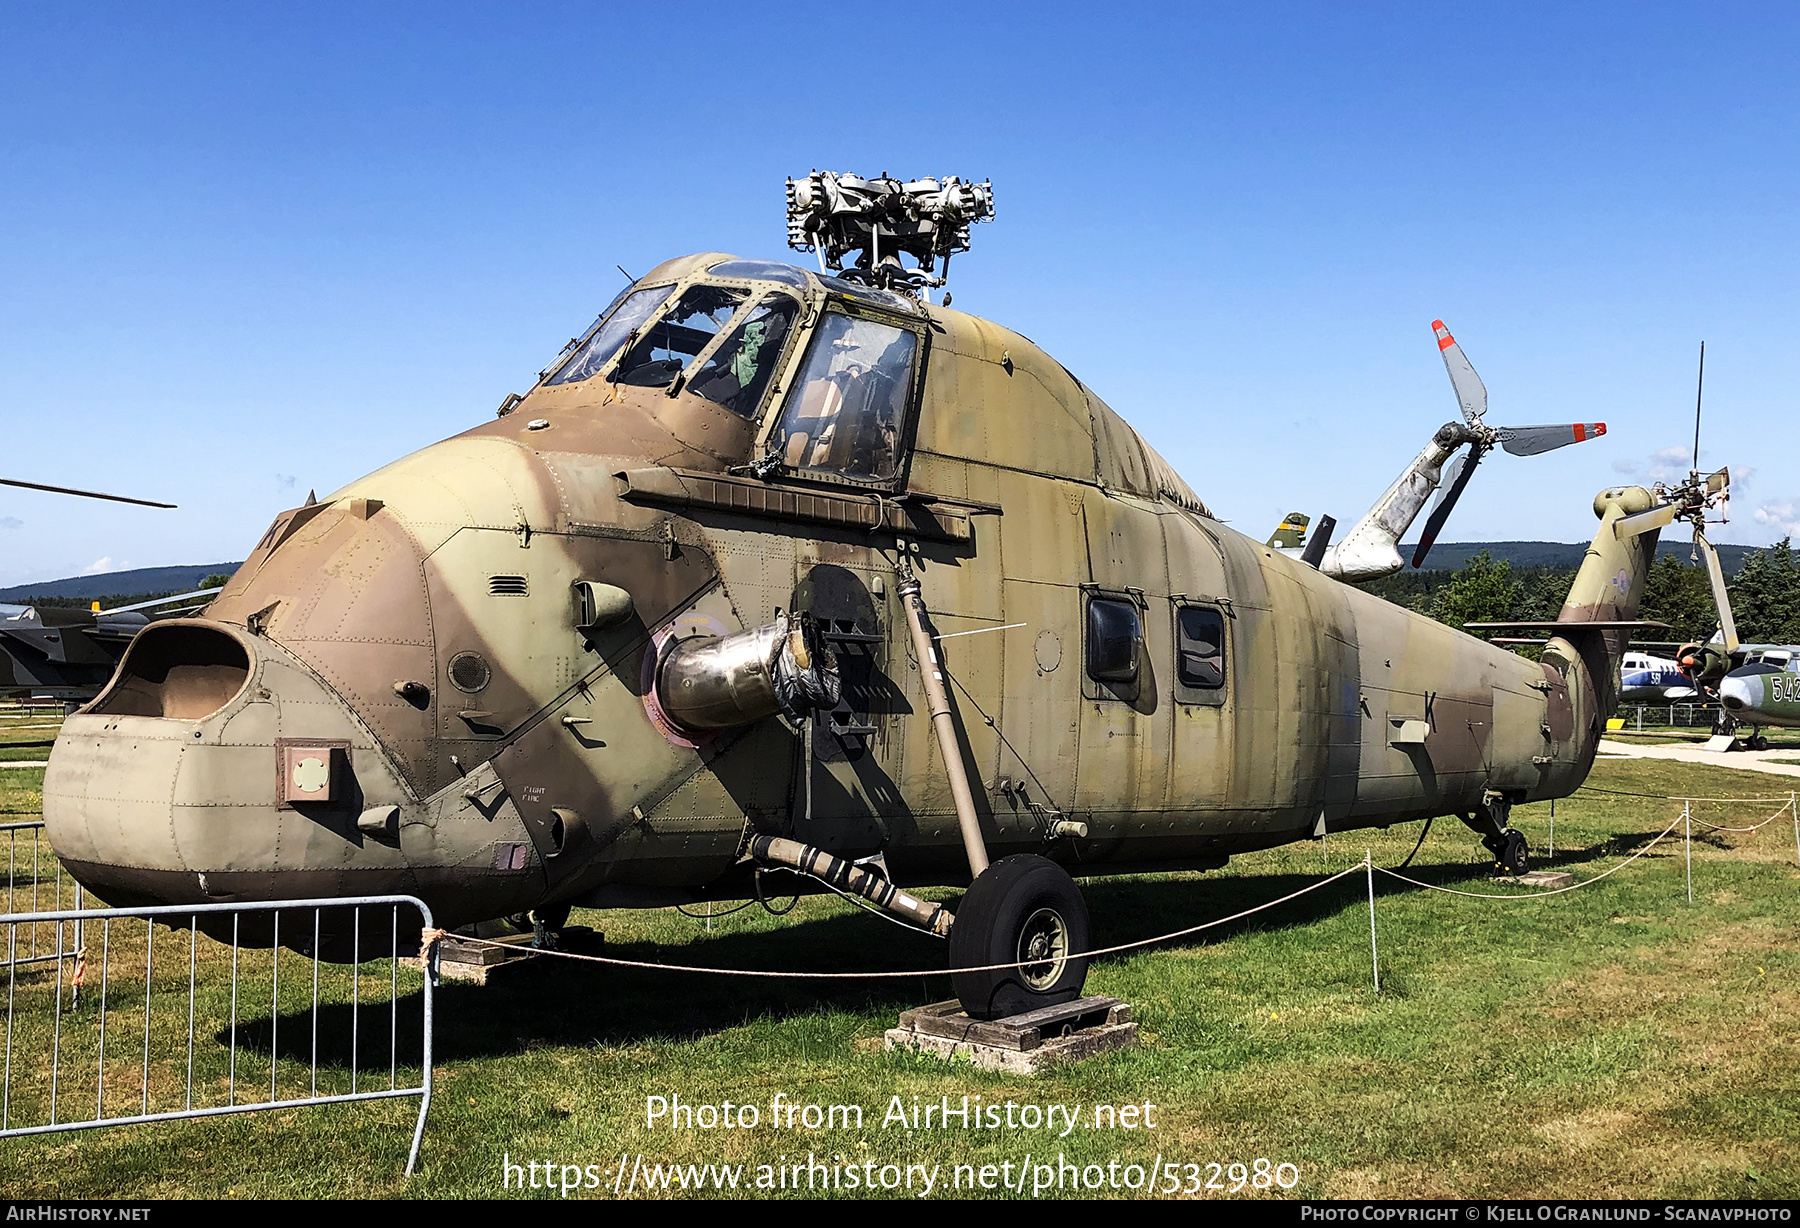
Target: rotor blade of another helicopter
{"points": [[1471, 393], [1721, 598], [85, 494], [1642, 522], [1531, 440], [1441, 512]]}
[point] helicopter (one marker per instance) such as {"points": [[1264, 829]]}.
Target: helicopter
{"points": [[783, 571], [68, 654]]}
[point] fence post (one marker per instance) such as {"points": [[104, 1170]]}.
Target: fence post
{"points": [[1553, 827], [1687, 822], [1374, 955]]}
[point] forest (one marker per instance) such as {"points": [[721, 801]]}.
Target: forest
{"points": [[1765, 594]]}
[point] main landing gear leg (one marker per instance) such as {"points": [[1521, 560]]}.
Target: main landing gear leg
{"points": [[1491, 824], [547, 927]]}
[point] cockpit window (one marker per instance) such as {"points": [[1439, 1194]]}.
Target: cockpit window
{"points": [[618, 322], [666, 347], [761, 270], [845, 412], [738, 372]]}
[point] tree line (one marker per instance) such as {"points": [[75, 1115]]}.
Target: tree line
{"points": [[1765, 594]]}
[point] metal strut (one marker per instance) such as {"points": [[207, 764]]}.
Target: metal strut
{"points": [[849, 877], [937, 698]]}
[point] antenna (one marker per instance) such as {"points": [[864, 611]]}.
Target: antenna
{"points": [[1699, 389]]}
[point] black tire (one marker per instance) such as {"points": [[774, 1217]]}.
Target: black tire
{"points": [[1021, 906], [1514, 855]]}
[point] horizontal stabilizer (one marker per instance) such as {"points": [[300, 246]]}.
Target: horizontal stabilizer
{"points": [[1642, 522]]}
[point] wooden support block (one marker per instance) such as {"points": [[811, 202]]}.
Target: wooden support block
{"points": [[1541, 879], [1022, 1044]]}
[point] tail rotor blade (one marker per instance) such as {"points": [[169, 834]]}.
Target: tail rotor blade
{"points": [[1439, 514], [1471, 393], [1531, 440]]}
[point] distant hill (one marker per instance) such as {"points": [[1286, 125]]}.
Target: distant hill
{"points": [[1450, 556], [108, 583]]}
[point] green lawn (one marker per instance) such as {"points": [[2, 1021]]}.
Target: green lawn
{"points": [[1613, 1041]]}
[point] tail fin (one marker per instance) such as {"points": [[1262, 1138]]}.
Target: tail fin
{"points": [[1291, 534], [1606, 591]]}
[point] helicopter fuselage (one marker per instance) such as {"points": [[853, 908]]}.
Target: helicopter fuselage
{"points": [[401, 690]]}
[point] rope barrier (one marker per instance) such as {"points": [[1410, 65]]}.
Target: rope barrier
{"points": [[864, 976], [1534, 895], [1664, 797]]}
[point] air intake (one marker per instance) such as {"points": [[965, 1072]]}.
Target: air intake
{"points": [[507, 586]]}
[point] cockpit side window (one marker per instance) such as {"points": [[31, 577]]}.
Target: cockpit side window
{"points": [[627, 313], [847, 408], [737, 373], [664, 349]]}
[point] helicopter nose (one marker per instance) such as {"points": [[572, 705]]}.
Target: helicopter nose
{"points": [[1740, 693], [215, 767]]}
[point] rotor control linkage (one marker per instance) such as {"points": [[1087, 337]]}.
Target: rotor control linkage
{"points": [[849, 877], [937, 699]]}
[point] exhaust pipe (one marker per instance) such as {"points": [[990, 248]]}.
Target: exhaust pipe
{"points": [[721, 682]]}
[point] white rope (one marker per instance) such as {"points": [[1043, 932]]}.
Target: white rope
{"points": [[848, 976], [1536, 895], [1758, 827]]}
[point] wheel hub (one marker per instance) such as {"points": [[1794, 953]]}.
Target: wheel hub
{"points": [[1043, 948]]}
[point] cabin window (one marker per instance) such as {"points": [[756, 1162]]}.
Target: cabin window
{"points": [[848, 405], [761, 270], [738, 372], [1199, 654], [1114, 638], [617, 322], [665, 348]]}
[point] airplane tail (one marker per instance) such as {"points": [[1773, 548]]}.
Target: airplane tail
{"points": [[1291, 533]]}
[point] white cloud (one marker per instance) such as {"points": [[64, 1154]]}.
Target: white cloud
{"points": [[1670, 464], [1743, 475], [98, 566], [1781, 519], [1625, 466]]}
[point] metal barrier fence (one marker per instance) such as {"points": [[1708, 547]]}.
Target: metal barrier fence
{"points": [[239, 1025], [1678, 714], [36, 880]]}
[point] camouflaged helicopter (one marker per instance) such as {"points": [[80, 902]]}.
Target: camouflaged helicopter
{"points": [[783, 570]]}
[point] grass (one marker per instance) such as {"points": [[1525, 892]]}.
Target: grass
{"points": [[1610, 1042]]}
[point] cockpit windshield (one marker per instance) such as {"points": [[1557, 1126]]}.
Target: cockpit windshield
{"points": [[618, 322], [666, 347], [738, 372], [847, 407]]}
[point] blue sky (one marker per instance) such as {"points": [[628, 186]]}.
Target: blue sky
{"points": [[250, 250]]}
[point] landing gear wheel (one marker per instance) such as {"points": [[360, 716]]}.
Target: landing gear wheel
{"points": [[1509, 849], [1023, 910], [1759, 742]]}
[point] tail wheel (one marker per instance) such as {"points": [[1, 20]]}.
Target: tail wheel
{"points": [[1514, 854], [1026, 911]]}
